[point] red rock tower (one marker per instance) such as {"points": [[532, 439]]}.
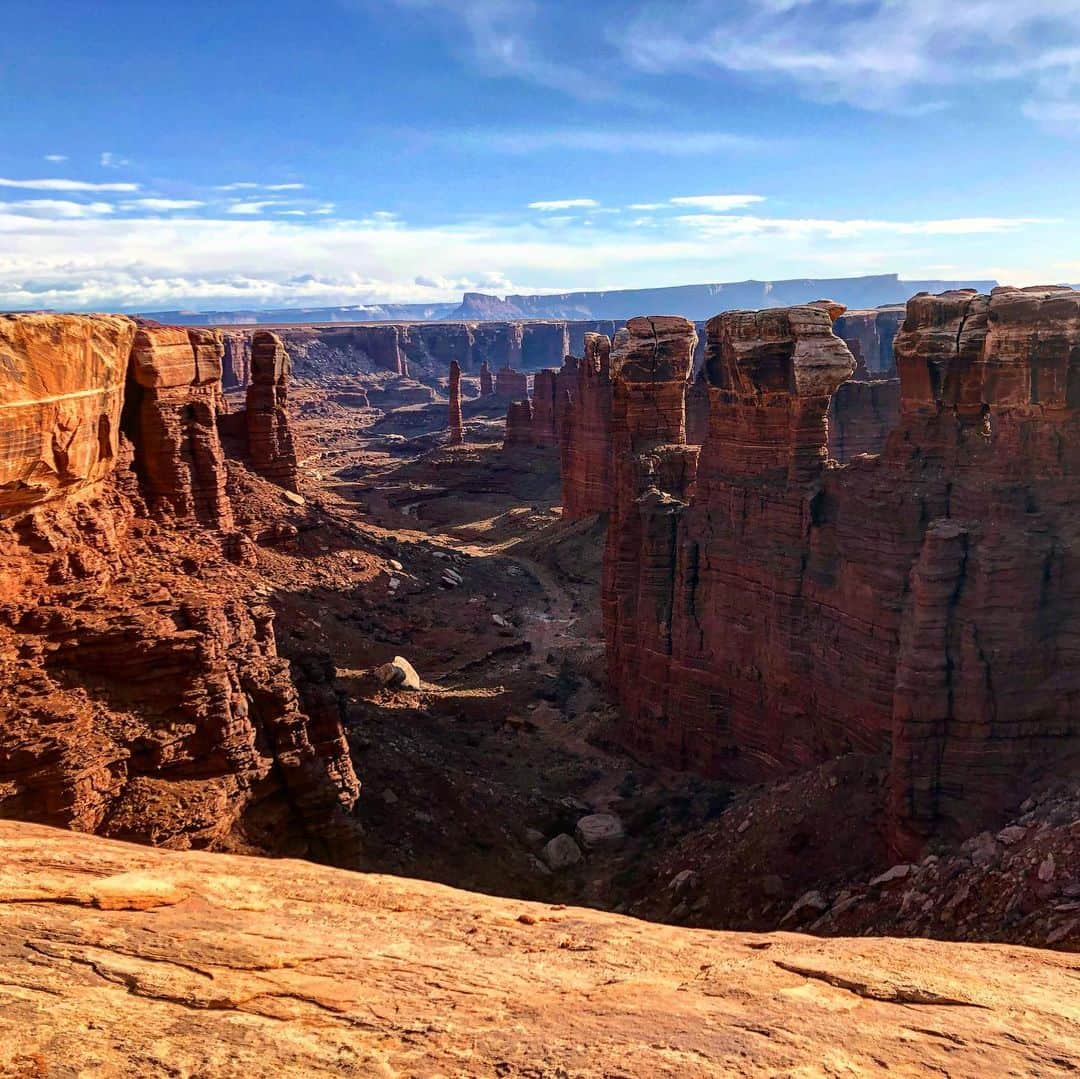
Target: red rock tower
{"points": [[270, 438], [457, 435], [487, 383]]}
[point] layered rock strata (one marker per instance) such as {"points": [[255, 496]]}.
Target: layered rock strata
{"points": [[510, 384], [139, 698], [544, 344], [457, 435], [170, 415], [545, 407], [269, 432], [236, 361], [585, 445], [519, 425], [61, 392], [870, 336], [765, 612], [861, 416]]}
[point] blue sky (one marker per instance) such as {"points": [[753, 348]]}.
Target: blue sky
{"points": [[237, 154]]}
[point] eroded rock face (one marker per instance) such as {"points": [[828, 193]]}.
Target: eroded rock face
{"points": [[519, 424], [545, 398], [487, 383], [764, 612], [171, 415], [61, 391], [585, 447], [457, 435], [511, 384], [209, 965], [861, 416], [236, 361], [870, 335], [543, 344], [498, 344], [138, 698], [270, 439]]}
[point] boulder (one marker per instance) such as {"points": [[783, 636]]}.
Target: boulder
{"points": [[600, 831], [399, 673], [561, 852]]}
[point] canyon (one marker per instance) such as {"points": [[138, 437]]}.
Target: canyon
{"points": [[757, 624]]}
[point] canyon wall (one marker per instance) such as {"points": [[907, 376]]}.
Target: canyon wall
{"points": [[765, 610], [861, 416], [870, 336], [141, 693]]}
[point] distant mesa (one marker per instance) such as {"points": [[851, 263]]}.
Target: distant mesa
{"points": [[695, 302]]}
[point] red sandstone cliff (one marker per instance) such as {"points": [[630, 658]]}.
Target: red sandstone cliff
{"points": [[510, 384], [585, 446], [140, 695], [861, 416], [269, 434], [764, 612], [170, 414]]}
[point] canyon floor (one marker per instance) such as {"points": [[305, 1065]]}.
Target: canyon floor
{"points": [[457, 559]]}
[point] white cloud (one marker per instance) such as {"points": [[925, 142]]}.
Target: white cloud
{"points": [[163, 204], [56, 159], [732, 225], [147, 263], [906, 55], [65, 185], [252, 207], [647, 205], [501, 37], [285, 187], [563, 204], [717, 203], [1057, 117], [57, 208], [240, 185], [109, 160]]}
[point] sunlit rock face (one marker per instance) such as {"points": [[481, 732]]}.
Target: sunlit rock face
{"points": [[141, 690]]}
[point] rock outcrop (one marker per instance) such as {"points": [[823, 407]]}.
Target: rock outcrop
{"points": [[487, 383], [138, 698], [170, 414], [61, 391], [545, 398], [457, 435], [765, 612], [269, 434], [585, 447], [124, 960], [519, 425], [511, 385]]}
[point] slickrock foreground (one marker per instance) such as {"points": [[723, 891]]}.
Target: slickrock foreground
{"points": [[121, 960]]}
